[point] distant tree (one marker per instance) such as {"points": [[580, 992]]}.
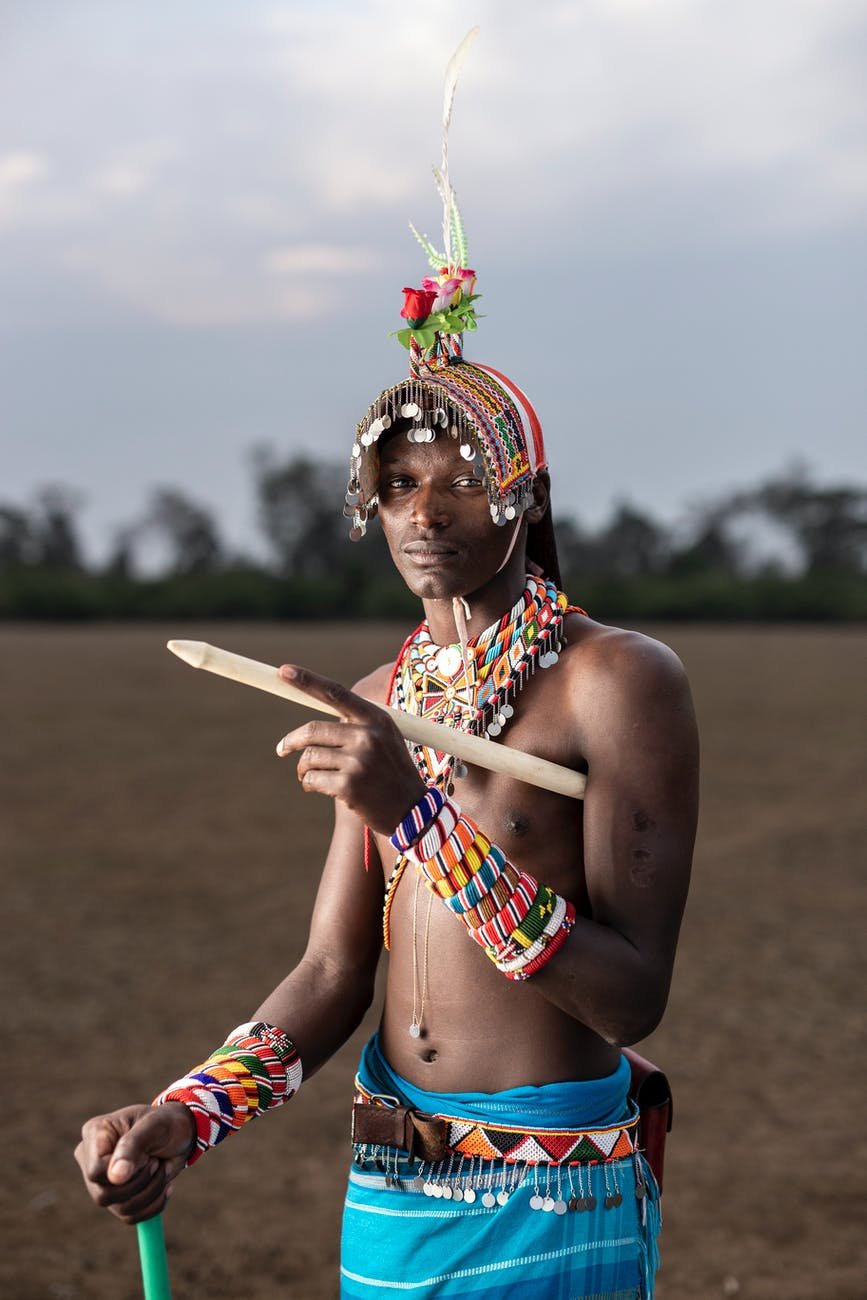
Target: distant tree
{"points": [[17, 542], [632, 545], [712, 550], [829, 524], [121, 559], [188, 530], [55, 531], [300, 514]]}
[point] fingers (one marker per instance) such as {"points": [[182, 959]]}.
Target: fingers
{"points": [[333, 735], [129, 1157], [346, 702], [141, 1198], [150, 1201], [99, 1140]]}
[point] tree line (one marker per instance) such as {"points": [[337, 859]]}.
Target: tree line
{"points": [[785, 549]]}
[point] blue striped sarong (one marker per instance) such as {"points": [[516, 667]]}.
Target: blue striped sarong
{"points": [[398, 1240]]}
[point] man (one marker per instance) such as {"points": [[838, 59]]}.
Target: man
{"points": [[531, 936], [505, 1060]]}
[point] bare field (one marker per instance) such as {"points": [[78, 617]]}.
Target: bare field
{"points": [[159, 865]]}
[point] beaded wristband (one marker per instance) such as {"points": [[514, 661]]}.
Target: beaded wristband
{"points": [[417, 820], [519, 923], [256, 1069]]}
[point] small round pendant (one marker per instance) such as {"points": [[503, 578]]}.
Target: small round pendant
{"points": [[415, 1030]]}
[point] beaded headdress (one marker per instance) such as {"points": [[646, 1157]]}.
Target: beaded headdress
{"points": [[444, 395]]}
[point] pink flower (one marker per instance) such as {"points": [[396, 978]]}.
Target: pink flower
{"points": [[446, 288], [467, 279]]}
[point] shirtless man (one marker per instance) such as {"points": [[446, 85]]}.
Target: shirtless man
{"points": [[616, 706]]}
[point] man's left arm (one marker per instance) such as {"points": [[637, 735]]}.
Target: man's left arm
{"points": [[640, 812]]}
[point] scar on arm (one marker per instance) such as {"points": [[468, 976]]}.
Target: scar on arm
{"points": [[642, 872]]}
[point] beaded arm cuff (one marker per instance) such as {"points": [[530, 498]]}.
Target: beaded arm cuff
{"points": [[519, 923], [256, 1069]]}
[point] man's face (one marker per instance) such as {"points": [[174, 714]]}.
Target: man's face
{"points": [[435, 515]]}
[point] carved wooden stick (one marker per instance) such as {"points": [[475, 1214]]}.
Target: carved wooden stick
{"points": [[470, 749]]}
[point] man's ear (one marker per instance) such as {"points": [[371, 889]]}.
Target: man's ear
{"points": [[541, 497]]}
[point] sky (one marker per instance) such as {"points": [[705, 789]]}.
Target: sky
{"points": [[204, 235]]}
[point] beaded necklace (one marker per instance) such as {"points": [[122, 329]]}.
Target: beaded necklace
{"points": [[475, 692], [434, 681]]}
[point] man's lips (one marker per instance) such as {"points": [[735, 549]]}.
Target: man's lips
{"points": [[429, 552]]}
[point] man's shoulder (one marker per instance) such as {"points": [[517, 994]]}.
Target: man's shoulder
{"points": [[600, 656]]}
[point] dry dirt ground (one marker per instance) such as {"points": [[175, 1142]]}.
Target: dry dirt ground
{"points": [[158, 868]]}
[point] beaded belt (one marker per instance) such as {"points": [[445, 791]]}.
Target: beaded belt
{"points": [[377, 1120]]}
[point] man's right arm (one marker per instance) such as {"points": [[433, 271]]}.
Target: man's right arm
{"points": [[129, 1157]]}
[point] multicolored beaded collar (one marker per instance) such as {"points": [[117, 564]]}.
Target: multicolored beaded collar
{"points": [[475, 692]]}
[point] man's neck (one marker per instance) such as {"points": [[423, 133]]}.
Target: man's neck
{"points": [[487, 605]]}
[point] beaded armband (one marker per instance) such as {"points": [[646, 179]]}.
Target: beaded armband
{"points": [[519, 923], [256, 1069]]}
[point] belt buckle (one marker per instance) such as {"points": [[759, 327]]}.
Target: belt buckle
{"points": [[378, 1123]]}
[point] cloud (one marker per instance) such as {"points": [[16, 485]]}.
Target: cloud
{"points": [[20, 168], [192, 175], [325, 259], [20, 171]]}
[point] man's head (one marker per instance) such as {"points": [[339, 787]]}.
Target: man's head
{"points": [[492, 427]]}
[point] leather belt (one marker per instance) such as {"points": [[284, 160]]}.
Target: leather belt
{"points": [[378, 1121]]}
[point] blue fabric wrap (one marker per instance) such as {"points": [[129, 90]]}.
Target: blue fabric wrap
{"points": [[396, 1239]]}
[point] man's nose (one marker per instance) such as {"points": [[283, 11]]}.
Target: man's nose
{"points": [[429, 507]]}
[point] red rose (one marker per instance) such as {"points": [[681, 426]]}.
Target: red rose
{"points": [[417, 305]]}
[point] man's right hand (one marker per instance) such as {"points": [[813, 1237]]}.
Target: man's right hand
{"points": [[129, 1157]]}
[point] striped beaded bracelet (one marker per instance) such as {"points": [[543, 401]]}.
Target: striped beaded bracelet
{"points": [[256, 1069], [519, 923], [419, 817]]}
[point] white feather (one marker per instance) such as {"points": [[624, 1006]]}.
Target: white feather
{"points": [[452, 73], [444, 184]]}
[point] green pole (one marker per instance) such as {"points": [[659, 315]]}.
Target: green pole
{"points": [[154, 1265]]}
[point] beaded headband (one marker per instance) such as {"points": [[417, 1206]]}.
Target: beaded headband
{"points": [[444, 395]]}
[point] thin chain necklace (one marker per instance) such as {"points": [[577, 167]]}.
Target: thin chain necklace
{"points": [[415, 1028]]}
